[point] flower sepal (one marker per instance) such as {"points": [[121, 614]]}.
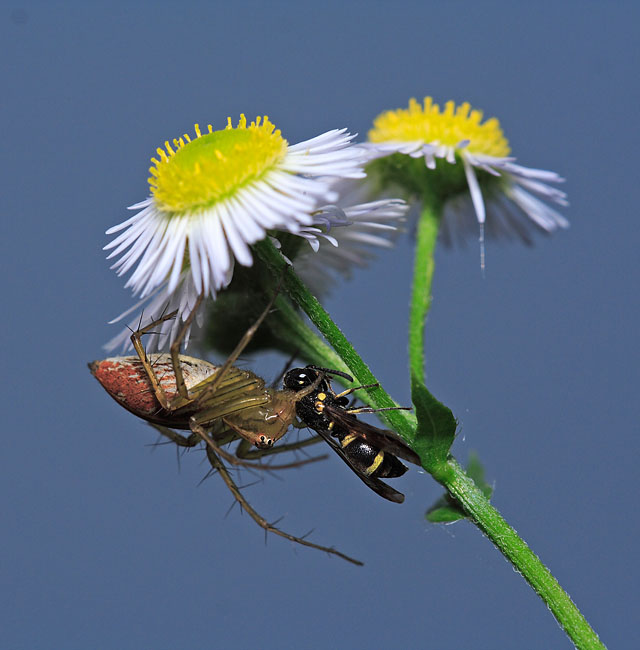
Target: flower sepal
{"points": [[416, 181]]}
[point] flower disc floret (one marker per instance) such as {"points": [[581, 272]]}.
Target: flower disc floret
{"points": [[450, 127], [212, 167]]}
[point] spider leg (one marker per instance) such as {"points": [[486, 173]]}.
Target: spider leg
{"points": [[219, 466], [175, 350], [248, 451], [136, 341], [246, 461], [237, 351]]}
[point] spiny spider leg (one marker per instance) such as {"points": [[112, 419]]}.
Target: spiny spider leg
{"points": [[218, 465], [174, 436], [237, 351], [201, 390], [136, 341], [175, 350], [278, 378], [199, 434], [247, 451]]}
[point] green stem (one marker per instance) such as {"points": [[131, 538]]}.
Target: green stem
{"points": [[401, 421], [449, 474], [426, 235], [289, 326], [514, 548]]}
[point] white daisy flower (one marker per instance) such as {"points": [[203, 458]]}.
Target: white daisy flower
{"points": [[486, 170], [214, 196]]}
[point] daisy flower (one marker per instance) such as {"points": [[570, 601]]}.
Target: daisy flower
{"points": [[216, 194], [472, 160]]}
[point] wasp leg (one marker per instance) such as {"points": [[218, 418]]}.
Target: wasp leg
{"points": [[369, 409], [219, 466]]}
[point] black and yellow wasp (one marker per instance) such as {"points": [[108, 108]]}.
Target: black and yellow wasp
{"points": [[372, 453]]}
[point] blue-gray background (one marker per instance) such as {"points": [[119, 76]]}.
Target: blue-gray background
{"points": [[107, 543]]}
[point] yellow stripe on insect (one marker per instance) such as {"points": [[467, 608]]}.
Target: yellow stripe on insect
{"points": [[377, 461], [347, 440]]}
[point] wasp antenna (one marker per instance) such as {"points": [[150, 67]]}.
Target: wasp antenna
{"points": [[370, 409], [330, 371]]}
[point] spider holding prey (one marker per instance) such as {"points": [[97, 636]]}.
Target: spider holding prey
{"points": [[220, 404]]}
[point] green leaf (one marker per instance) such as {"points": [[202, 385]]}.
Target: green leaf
{"points": [[436, 425], [445, 510], [441, 513], [475, 471]]}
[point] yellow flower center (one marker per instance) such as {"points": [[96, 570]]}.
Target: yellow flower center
{"points": [[428, 124], [194, 174]]}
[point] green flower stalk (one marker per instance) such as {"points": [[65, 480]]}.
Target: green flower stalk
{"points": [[245, 195], [440, 162]]}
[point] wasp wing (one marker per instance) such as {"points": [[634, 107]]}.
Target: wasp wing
{"points": [[380, 438], [378, 486]]}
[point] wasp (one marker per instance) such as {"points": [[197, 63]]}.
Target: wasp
{"points": [[222, 404], [371, 453]]}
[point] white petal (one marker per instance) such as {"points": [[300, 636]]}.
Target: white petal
{"points": [[237, 244], [474, 189]]}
